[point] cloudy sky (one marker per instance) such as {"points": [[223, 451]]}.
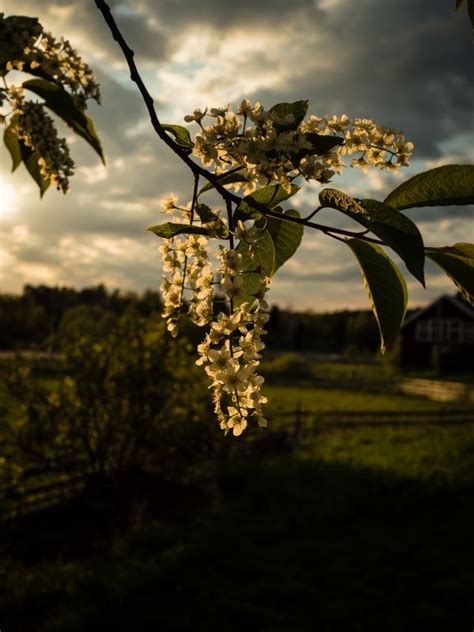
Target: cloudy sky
{"points": [[406, 63]]}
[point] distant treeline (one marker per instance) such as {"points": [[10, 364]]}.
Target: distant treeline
{"points": [[34, 318]]}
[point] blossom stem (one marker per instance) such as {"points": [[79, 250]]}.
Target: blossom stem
{"points": [[229, 173], [185, 262], [313, 213]]}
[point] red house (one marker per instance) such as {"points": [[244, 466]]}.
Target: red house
{"points": [[439, 337]]}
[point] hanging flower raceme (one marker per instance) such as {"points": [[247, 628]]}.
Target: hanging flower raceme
{"points": [[35, 50], [36, 129], [230, 352], [278, 145], [262, 152], [63, 82], [189, 279]]}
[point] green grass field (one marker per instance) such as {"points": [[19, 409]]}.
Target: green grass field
{"points": [[322, 400], [363, 528]]}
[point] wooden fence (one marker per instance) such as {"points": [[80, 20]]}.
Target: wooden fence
{"points": [[38, 488]]}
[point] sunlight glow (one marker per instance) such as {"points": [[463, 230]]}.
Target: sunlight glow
{"points": [[8, 197]]}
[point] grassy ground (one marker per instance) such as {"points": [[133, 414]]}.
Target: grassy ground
{"points": [[360, 529], [321, 400]]}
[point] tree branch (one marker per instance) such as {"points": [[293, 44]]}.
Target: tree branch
{"points": [[197, 170]]}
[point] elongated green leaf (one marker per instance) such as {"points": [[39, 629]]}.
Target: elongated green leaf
{"points": [[13, 145], [230, 179], [268, 196], [332, 198], [205, 213], [263, 259], [170, 229], [321, 144], [289, 115], [458, 263], [393, 227], [385, 286], [286, 237], [400, 233], [62, 104], [442, 186], [180, 133], [30, 160]]}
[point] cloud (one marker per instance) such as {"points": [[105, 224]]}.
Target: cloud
{"points": [[401, 62], [82, 23]]}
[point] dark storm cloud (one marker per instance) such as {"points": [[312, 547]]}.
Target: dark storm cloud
{"points": [[182, 14], [149, 43], [406, 63]]}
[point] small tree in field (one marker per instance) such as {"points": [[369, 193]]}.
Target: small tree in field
{"points": [[256, 159]]}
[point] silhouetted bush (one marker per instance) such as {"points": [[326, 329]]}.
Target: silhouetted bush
{"points": [[129, 398]]}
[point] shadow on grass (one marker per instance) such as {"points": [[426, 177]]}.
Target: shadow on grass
{"points": [[294, 546]]}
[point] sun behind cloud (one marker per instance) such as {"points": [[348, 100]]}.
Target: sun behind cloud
{"points": [[8, 197]]}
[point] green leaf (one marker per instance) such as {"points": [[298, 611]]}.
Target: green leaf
{"points": [[205, 213], [12, 143], [30, 160], [230, 179], [398, 231], [442, 186], [62, 104], [385, 286], [332, 198], [180, 133], [293, 112], [458, 263], [286, 237], [264, 260], [170, 229], [264, 254], [268, 196], [321, 144], [20, 152]]}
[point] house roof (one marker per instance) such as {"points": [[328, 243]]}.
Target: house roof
{"points": [[461, 305]]}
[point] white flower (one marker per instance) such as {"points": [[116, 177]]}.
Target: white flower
{"points": [[169, 204]]}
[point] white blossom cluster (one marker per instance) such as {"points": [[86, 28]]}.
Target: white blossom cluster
{"points": [[37, 51], [189, 277], [230, 352], [27, 47], [261, 143], [36, 129], [380, 146]]}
